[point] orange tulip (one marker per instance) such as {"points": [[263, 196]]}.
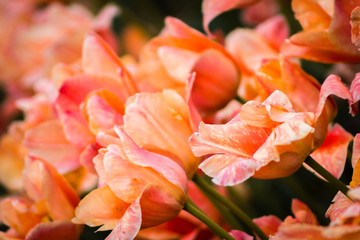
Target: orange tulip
{"points": [[139, 189], [265, 140]]}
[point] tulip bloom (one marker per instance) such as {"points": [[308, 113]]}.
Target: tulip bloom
{"points": [[327, 35], [168, 60], [265, 140], [138, 189], [46, 208], [160, 123]]}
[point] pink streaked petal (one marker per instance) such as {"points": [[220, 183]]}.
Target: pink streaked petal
{"points": [[332, 153], [256, 114], [100, 207], [130, 223], [213, 8], [48, 141], [332, 86], [162, 165], [355, 92], [229, 170], [86, 157], [339, 204], [239, 235], [57, 230], [279, 99], [269, 224], [274, 30], [228, 138], [293, 136]]}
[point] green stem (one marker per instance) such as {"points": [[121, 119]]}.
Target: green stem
{"points": [[204, 186], [234, 223], [336, 183], [240, 99], [194, 210]]}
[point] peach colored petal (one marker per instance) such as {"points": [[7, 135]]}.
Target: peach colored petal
{"points": [[229, 138], [248, 49], [158, 206], [216, 81], [310, 14], [213, 8], [256, 114], [16, 213], [159, 122], [229, 170], [48, 141], [100, 207], [130, 223], [332, 153], [315, 46], [259, 12], [177, 62], [12, 155], [274, 30], [339, 204], [269, 224], [103, 109], [170, 170], [355, 26], [57, 230], [99, 59], [129, 169], [302, 213]]}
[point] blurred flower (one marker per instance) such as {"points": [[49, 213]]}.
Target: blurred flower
{"points": [[46, 208]]}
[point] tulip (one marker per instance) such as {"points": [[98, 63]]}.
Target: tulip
{"points": [[265, 140], [138, 189]]}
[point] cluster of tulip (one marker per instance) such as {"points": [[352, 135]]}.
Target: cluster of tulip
{"points": [[145, 144]]}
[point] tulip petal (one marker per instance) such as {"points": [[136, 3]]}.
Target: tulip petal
{"points": [[130, 223], [99, 59], [229, 170], [355, 92], [239, 235], [213, 8], [332, 153], [229, 138], [269, 224], [216, 78], [48, 141], [159, 122], [100, 207], [355, 26], [355, 162], [274, 30], [57, 230]]}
